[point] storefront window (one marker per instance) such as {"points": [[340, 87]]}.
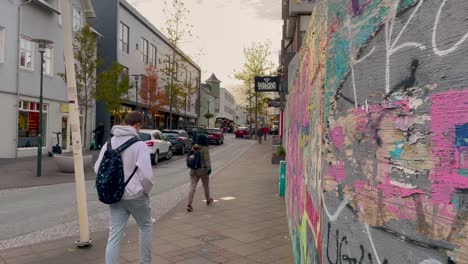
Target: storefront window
{"points": [[28, 124]]}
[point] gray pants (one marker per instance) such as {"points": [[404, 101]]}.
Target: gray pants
{"points": [[195, 176], [140, 209]]}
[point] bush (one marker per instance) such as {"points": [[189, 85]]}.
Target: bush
{"points": [[281, 151]]}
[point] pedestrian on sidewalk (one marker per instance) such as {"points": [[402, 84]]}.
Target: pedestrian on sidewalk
{"points": [[99, 131], [135, 201], [202, 173], [265, 133], [259, 135]]}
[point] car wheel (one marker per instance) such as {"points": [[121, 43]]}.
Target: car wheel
{"points": [[169, 154], [154, 158], [222, 142]]}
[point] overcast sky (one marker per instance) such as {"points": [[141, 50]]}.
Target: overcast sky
{"points": [[222, 28]]}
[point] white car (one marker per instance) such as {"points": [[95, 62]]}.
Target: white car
{"points": [[158, 145]]}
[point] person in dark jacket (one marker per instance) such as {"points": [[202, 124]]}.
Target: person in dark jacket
{"points": [[99, 135], [202, 173], [259, 135]]}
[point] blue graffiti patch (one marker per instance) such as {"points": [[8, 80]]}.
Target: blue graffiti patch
{"points": [[461, 135]]}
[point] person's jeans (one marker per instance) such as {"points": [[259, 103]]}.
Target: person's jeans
{"points": [[140, 209]]}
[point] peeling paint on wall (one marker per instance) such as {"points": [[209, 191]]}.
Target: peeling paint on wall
{"points": [[377, 134]]}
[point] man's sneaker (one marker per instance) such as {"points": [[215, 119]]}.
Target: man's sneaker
{"points": [[189, 208], [210, 201]]}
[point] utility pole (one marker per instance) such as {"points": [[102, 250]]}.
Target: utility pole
{"points": [[84, 241]]}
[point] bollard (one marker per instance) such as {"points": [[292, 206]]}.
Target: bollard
{"points": [[282, 178]]}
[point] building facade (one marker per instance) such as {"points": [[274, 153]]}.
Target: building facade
{"points": [[208, 102], [20, 23], [133, 42], [225, 106]]}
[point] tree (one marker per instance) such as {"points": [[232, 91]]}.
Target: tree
{"points": [[112, 84], [86, 63], [152, 96], [209, 116], [177, 30], [257, 63]]}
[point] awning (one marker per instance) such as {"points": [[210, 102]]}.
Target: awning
{"points": [[47, 6], [96, 32]]}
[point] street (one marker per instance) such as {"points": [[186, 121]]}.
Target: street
{"points": [[36, 214]]}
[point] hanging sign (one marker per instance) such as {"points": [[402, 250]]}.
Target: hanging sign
{"points": [[267, 84]]}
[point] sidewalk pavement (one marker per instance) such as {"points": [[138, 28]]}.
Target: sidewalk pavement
{"points": [[21, 172], [247, 225]]}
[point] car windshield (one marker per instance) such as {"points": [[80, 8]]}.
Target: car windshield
{"points": [[212, 130], [170, 135], [145, 136]]}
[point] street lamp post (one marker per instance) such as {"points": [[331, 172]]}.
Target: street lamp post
{"points": [[42, 47]]}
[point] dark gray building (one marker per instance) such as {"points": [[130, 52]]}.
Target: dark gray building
{"points": [[132, 41]]}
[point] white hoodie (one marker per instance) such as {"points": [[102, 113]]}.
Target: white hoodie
{"points": [[135, 155]]}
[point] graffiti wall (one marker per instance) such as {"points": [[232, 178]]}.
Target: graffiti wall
{"points": [[377, 134]]}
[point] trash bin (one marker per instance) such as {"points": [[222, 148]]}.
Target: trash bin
{"points": [[282, 178]]}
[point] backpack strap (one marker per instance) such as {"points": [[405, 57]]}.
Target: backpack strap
{"points": [[131, 176], [127, 144]]}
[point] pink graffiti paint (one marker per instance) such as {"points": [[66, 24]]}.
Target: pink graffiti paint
{"points": [[359, 185], [337, 172], [337, 137], [448, 109]]}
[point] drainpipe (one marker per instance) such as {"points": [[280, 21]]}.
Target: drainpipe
{"points": [[18, 35]]}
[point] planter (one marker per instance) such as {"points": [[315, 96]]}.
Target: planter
{"points": [[275, 159], [65, 162]]}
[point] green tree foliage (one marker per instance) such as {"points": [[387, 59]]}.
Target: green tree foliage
{"points": [[112, 84], [86, 63], [257, 63]]}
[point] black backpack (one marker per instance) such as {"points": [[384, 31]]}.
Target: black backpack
{"points": [[110, 179], [194, 159]]}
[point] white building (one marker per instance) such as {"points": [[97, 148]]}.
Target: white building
{"points": [[225, 106]]}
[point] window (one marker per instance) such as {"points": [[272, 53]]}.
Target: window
{"points": [[2, 44], [152, 60], [186, 76], [28, 124], [190, 78], [144, 51], [48, 61], [76, 18], [26, 53], [124, 37]]}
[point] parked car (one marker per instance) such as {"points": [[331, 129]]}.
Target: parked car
{"points": [[181, 143], [242, 132], [215, 135], [157, 143], [194, 131]]}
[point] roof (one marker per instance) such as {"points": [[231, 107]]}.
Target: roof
{"points": [[213, 78]]}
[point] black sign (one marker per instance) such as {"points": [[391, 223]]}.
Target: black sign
{"points": [[267, 84]]}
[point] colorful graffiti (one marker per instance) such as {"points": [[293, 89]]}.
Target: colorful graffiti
{"points": [[378, 130]]}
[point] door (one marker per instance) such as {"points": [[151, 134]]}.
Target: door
{"points": [[66, 142]]}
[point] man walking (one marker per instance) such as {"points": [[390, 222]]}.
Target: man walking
{"points": [[138, 175], [99, 131], [265, 133], [259, 135]]}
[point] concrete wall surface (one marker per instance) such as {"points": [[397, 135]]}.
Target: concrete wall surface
{"points": [[377, 134]]}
